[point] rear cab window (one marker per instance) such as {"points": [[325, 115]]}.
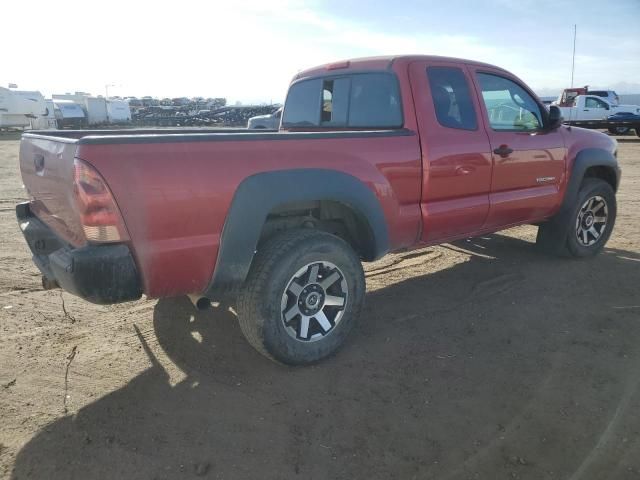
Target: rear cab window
{"points": [[353, 100], [452, 98]]}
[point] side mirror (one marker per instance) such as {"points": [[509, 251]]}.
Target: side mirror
{"points": [[554, 120]]}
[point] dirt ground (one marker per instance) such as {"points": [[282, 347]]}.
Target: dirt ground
{"points": [[481, 359]]}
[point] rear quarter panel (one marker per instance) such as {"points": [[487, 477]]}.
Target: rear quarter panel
{"points": [[174, 197]]}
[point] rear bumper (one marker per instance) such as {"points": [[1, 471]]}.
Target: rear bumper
{"points": [[98, 273]]}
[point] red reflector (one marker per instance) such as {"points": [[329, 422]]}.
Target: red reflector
{"points": [[338, 65]]}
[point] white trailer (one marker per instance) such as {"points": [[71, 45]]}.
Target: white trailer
{"points": [[118, 111], [20, 109], [96, 108], [69, 114], [48, 120]]}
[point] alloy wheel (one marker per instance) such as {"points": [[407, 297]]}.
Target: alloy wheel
{"points": [[592, 220], [314, 301]]}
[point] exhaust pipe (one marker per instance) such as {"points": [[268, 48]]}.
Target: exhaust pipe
{"points": [[49, 284], [200, 302]]}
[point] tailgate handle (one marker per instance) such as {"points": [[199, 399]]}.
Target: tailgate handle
{"points": [[38, 162]]}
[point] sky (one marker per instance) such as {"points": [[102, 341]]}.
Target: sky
{"points": [[248, 51]]}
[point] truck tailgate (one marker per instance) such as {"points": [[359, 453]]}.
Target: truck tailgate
{"points": [[47, 169]]}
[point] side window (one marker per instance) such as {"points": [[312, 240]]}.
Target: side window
{"points": [[591, 102], [366, 100], [509, 106], [335, 101], [374, 101], [327, 101], [302, 105], [451, 98]]}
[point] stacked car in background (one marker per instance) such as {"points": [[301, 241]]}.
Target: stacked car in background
{"points": [[190, 115], [193, 112]]}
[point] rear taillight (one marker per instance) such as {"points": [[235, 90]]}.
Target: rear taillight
{"points": [[99, 215]]}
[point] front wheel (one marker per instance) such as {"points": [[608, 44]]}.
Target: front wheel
{"points": [[619, 130], [590, 222], [594, 217], [302, 296]]}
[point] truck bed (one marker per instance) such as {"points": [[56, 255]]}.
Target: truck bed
{"points": [[174, 187]]}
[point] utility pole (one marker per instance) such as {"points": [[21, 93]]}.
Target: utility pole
{"points": [[573, 60], [106, 90]]}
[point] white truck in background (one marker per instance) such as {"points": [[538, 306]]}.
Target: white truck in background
{"points": [[587, 109], [268, 122]]}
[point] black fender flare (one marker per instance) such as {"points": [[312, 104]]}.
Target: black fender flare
{"points": [[260, 194], [585, 159], [555, 237]]}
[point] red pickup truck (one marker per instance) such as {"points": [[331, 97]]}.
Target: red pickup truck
{"points": [[373, 156]]}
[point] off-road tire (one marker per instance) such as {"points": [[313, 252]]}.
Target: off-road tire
{"points": [[564, 235], [260, 302]]}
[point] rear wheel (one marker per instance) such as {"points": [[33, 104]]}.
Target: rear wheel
{"points": [[302, 296]]}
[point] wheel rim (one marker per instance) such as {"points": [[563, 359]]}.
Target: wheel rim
{"points": [[592, 221], [314, 301]]}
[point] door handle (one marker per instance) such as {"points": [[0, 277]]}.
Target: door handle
{"points": [[465, 170], [503, 151]]}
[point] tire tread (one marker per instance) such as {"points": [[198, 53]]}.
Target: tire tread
{"points": [[252, 296]]}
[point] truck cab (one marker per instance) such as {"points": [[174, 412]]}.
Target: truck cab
{"points": [[486, 160], [609, 95], [593, 107]]}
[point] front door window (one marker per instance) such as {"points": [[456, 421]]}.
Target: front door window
{"points": [[509, 106]]}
